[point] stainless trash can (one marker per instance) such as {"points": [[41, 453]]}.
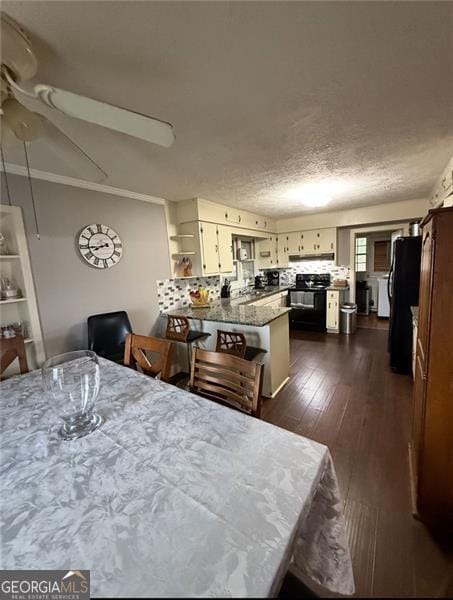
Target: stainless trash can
{"points": [[348, 317]]}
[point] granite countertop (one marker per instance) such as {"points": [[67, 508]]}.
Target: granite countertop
{"points": [[255, 294], [333, 288], [238, 310], [239, 314]]}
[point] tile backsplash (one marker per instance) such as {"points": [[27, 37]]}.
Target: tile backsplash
{"points": [[174, 293], [316, 266]]}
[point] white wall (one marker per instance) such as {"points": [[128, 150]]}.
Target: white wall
{"points": [[380, 213], [68, 289]]}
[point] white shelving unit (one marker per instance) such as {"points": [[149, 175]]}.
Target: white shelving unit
{"points": [[16, 266]]}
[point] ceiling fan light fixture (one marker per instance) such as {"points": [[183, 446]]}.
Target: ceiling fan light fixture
{"points": [[25, 124]]}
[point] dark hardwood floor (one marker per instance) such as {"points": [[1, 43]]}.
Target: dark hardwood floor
{"points": [[343, 394], [372, 321]]}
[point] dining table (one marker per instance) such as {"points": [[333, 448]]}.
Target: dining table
{"points": [[173, 496]]}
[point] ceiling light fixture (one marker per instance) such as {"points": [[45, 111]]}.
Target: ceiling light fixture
{"points": [[316, 201], [316, 194]]}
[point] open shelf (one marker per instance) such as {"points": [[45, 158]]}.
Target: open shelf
{"points": [[184, 253], [3, 256], [13, 300], [182, 236]]}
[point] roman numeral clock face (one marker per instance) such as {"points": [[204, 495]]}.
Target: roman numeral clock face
{"points": [[100, 246]]}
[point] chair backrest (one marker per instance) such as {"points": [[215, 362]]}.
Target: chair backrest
{"points": [[134, 355], [177, 328], [231, 342], [10, 349], [107, 334], [230, 379]]}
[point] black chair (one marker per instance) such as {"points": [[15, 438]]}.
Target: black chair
{"points": [[107, 334]]}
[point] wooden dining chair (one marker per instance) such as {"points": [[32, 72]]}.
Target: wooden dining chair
{"points": [[10, 349], [134, 355], [227, 379], [234, 343]]}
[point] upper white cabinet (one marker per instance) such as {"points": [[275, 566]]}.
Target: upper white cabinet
{"points": [[216, 249], [198, 209], [209, 248], [266, 253], [225, 246], [326, 240], [213, 226], [305, 243]]}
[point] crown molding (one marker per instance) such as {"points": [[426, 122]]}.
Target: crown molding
{"points": [[14, 169]]}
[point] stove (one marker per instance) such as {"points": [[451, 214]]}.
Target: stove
{"points": [[314, 281], [308, 302]]}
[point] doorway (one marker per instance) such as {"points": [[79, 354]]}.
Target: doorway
{"points": [[371, 252]]}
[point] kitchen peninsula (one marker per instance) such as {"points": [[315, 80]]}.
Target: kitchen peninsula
{"points": [[264, 327]]}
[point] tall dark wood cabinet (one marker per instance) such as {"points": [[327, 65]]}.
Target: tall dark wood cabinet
{"points": [[432, 445]]}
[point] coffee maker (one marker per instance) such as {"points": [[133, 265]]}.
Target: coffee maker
{"points": [[260, 282], [273, 278]]}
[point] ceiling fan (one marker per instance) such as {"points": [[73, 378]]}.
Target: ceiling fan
{"points": [[28, 109]]}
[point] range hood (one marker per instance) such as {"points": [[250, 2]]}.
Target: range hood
{"points": [[314, 256]]}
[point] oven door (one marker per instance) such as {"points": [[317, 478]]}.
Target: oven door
{"points": [[302, 300], [308, 310]]}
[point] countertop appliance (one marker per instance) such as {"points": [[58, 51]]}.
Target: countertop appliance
{"points": [[308, 302], [225, 291], [260, 282], [402, 287], [273, 277], [414, 228]]}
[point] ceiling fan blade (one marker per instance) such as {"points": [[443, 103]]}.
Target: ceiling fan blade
{"points": [[107, 115], [71, 153], [100, 113]]}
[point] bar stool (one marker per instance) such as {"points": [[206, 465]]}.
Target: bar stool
{"points": [[178, 329], [233, 342]]}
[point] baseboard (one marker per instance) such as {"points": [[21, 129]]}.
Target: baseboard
{"points": [[280, 387], [413, 480]]}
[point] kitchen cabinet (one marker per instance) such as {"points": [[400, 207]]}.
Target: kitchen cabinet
{"points": [[216, 248], [267, 247], [333, 311], [431, 449], [210, 248], [303, 243], [233, 216], [273, 301], [225, 246], [334, 300], [198, 209], [326, 239]]}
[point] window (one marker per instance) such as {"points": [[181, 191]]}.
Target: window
{"points": [[381, 256], [360, 254]]}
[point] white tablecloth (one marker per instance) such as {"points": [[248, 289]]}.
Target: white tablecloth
{"points": [[173, 496]]}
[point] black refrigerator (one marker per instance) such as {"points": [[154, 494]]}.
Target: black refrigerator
{"points": [[403, 286]]}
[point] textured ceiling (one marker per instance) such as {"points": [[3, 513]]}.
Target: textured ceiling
{"points": [[271, 101]]}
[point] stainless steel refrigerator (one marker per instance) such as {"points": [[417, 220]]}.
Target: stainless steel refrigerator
{"points": [[403, 286]]}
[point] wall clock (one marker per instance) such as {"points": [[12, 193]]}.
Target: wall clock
{"points": [[100, 246]]}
